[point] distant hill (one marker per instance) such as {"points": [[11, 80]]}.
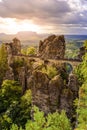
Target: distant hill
{"points": [[28, 37], [76, 37], [23, 36]]}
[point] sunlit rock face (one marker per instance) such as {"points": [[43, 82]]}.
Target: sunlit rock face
{"points": [[52, 47], [13, 48]]}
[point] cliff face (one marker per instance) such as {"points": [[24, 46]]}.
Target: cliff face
{"points": [[52, 47], [13, 48]]}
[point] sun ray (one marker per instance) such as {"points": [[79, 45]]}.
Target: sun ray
{"points": [[13, 26]]}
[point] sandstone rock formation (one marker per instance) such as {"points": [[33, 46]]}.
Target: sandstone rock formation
{"points": [[13, 48], [52, 47], [66, 102], [9, 74], [55, 88], [73, 85], [49, 94], [38, 83]]}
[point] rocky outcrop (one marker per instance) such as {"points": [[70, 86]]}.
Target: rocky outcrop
{"points": [[52, 47], [55, 88], [9, 74], [73, 85], [38, 83], [48, 93], [66, 102], [13, 48]]}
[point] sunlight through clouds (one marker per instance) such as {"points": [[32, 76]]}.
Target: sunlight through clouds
{"points": [[14, 26], [43, 16]]}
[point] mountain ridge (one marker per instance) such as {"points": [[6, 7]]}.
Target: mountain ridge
{"points": [[33, 37]]}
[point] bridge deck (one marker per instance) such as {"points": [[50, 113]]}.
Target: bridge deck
{"points": [[73, 62]]}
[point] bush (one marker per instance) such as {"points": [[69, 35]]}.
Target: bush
{"points": [[3, 62], [53, 121], [31, 51], [50, 71]]}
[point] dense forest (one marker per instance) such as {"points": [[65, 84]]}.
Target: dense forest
{"points": [[16, 107]]}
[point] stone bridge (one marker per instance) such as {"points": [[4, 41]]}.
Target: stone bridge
{"points": [[72, 62]]}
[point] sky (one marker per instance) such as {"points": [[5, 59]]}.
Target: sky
{"points": [[43, 16]]}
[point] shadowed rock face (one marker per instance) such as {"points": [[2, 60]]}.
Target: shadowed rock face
{"points": [[52, 47]]}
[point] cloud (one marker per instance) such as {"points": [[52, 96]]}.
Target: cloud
{"points": [[38, 9], [49, 13]]}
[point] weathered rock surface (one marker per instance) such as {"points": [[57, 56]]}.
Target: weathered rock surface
{"points": [[22, 76], [13, 48], [52, 47], [55, 88], [9, 74], [66, 102], [38, 83], [49, 94], [73, 85]]}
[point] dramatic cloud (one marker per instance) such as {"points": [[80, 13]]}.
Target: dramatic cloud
{"points": [[52, 14], [33, 9]]}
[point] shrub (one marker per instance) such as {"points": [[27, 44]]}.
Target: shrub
{"points": [[3, 62], [50, 71], [53, 121]]}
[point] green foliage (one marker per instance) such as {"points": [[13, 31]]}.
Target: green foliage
{"points": [[50, 71], [24, 51], [14, 127], [27, 97], [71, 50], [14, 108], [82, 102], [81, 70], [10, 92], [53, 121], [11, 89], [29, 51], [3, 62], [18, 62], [85, 44]]}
